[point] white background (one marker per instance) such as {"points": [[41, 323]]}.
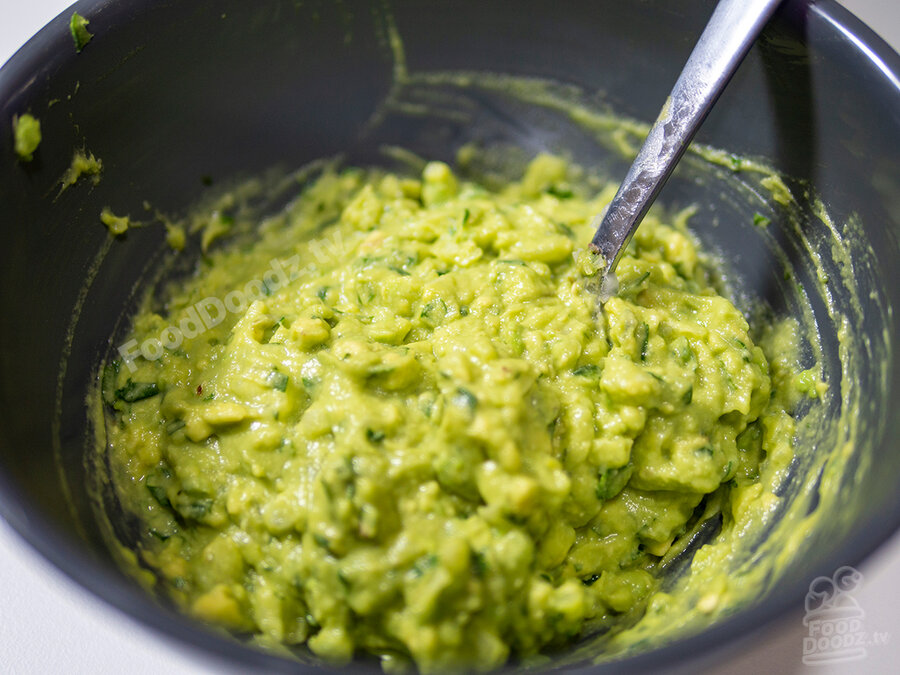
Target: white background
{"points": [[48, 624]]}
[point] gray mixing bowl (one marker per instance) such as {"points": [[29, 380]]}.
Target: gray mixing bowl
{"points": [[170, 94]]}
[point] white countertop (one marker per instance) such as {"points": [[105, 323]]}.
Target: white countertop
{"points": [[49, 624]]}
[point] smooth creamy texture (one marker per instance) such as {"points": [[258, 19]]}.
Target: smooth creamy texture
{"points": [[421, 440]]}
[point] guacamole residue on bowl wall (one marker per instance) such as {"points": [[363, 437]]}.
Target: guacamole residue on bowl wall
{"points": [[397, 424]]}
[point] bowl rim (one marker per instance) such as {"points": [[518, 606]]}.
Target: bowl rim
{"points": [[41, 56]]}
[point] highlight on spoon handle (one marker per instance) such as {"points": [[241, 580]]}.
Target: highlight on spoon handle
{"points": [[725, 41]]}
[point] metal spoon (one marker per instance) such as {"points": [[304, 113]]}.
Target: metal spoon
{"points": [[731, 31]]}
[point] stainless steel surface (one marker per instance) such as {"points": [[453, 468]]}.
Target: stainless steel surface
{"points": [[725, 41]]}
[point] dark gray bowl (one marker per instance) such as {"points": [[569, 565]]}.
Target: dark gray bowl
{"points": [[168, 93]]}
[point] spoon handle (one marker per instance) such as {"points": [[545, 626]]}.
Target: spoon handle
{"points": [[725, 41]]}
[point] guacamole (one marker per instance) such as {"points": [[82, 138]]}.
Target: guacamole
{"points": [[26, 136], [83, 164], [397, 424]]}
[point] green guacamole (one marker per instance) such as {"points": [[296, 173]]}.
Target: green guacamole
{"points": [[26, 136], [397, 424]]}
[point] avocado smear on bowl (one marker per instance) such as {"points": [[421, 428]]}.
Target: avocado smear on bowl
{"points": [[397, 424], [26, 136]]}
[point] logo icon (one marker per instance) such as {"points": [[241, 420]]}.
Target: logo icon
{"points": [[834, 619]]}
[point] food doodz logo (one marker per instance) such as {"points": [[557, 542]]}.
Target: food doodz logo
{"points": [[834, 619]]}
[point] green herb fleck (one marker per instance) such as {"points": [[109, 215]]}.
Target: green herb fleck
{"points": [[159, 535], [465, 399], [434, 312], [137, 391], [726, 473], [589, 370], [108, 382], [172, 427], [197, 508], [637, 282], [479, 564], [424, 564], [612, 481], [560, 193], [682, 349], [278, 380], [705, 450], [80, 34], [159, 494], [642, 335], [566, 230], [365, 293], [760, 220], [374, 436]]}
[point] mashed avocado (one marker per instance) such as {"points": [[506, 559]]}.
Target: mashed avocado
{"points": [[82, 164], [396, 423], [26, 136], [117, 225]]}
